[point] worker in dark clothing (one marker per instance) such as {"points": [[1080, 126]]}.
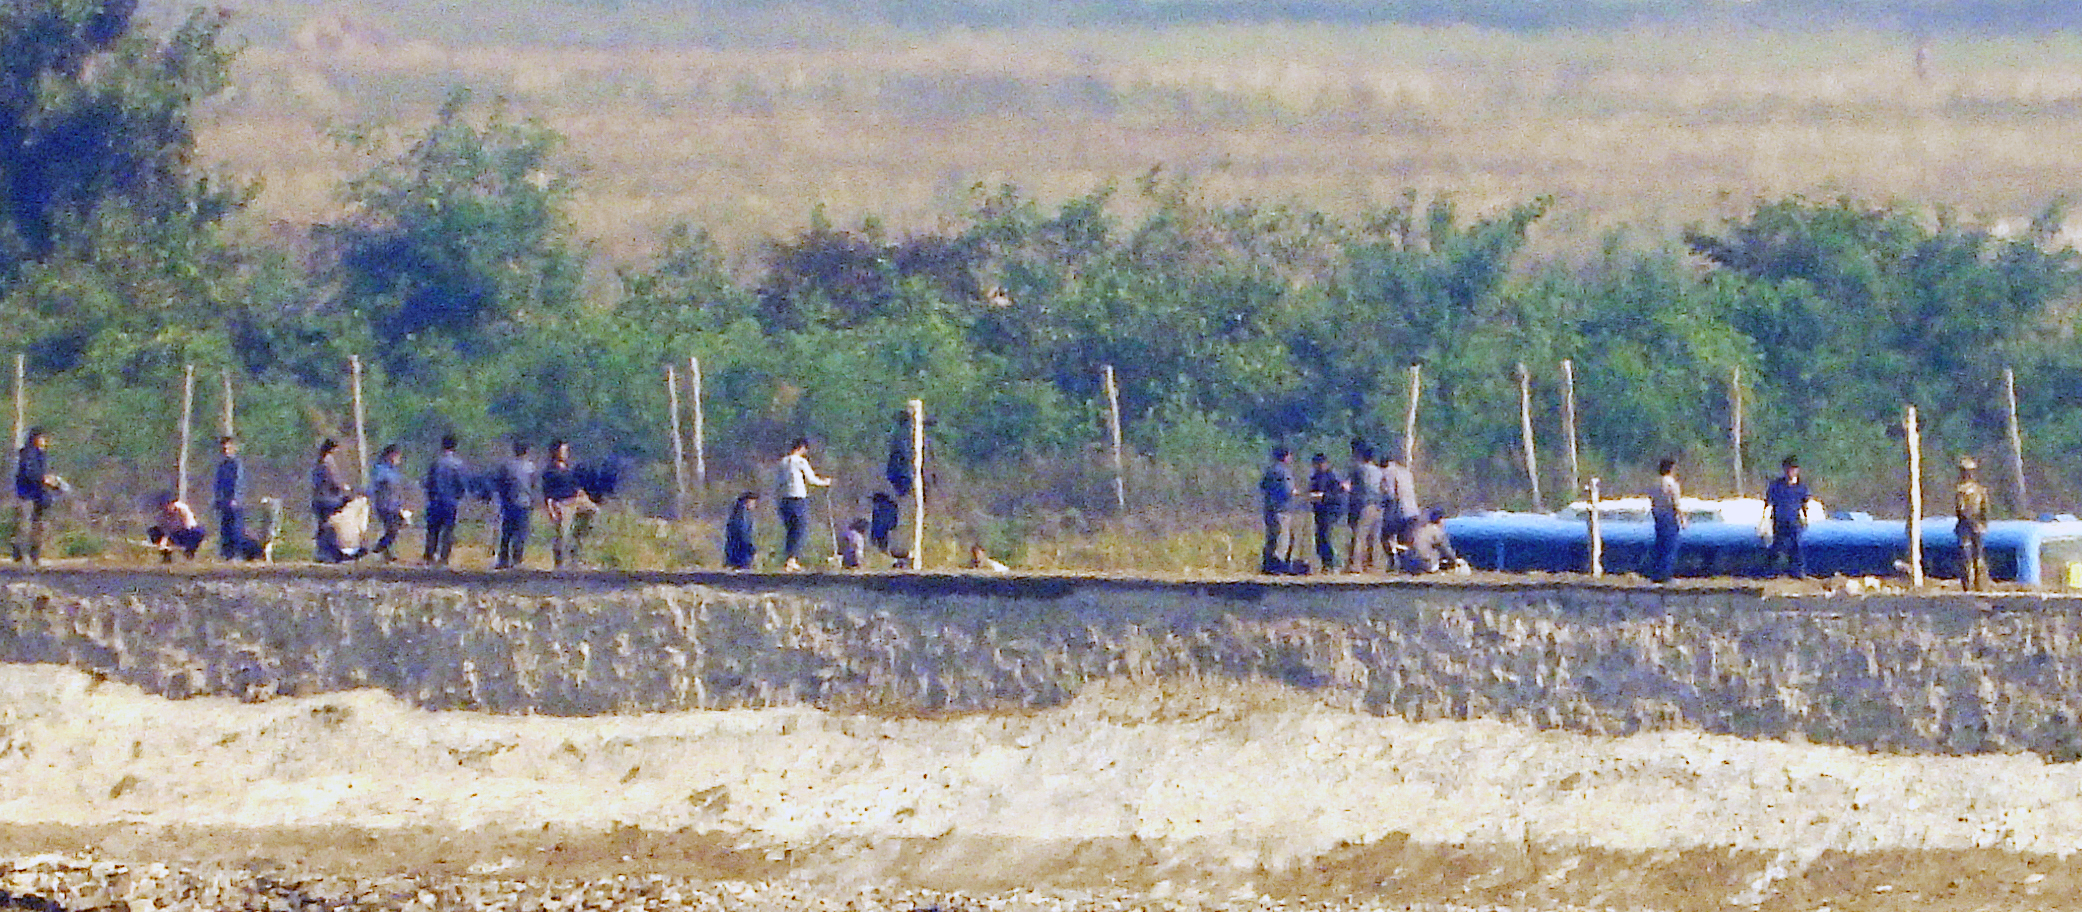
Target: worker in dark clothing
{"points": [[1785, 501], [882, 520], [228, 497], [1363, 489], [33, 486], [447, 483], [902, 462], [1326, 495], [1278, 487], [740, 533], [569, 507], [516, 487], [328, 495], [1970, 505]]}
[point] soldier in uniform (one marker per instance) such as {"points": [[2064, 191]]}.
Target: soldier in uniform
{"points": [[1970, 504]]}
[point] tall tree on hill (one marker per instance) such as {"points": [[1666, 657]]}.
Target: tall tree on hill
{"points": [[455, 237]]}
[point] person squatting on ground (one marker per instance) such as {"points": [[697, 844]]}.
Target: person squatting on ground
{"points": [[980, 559], [516, 488], [1665, 507], [740, 533], [1326, 495], [1970, 505], [792, 483], [1785, 503], [569, 507], [328, 495], [1430, 549], [174, 528], [33, 486], [387, 497], [853, 545], [1363, 509], [1278, 487], [447, 483]]}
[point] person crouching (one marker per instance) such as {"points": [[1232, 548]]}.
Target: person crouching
{"points": [[174, 529]]}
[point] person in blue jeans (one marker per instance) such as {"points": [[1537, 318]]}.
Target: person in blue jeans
{"points": [[1665, 507]]}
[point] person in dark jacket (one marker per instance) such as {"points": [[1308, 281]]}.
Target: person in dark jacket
{"points": [[739, 533], [33, 485], [1785, 501], [228, 498], [1326, 495], [517, 487], [387, 497], [882, 520], [1277, 485], [328, 495], [447, 483]]}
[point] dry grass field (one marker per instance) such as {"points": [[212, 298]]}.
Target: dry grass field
{"points": [[1646, 129]]}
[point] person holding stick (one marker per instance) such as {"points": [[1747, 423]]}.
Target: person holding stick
{"points": [[447, 483], [792, 483], [1400, 509], [1970, 505]]}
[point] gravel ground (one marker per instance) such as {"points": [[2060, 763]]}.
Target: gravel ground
{"points": [[1158, 796]]}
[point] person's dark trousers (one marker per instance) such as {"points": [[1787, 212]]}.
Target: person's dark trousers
{"points": [[795, 516], [513, 537], [186, 541], [1279, 542], [1326, 552], [1973, 557], [325, 543], [1663, 560], [440, 532], [231, 533], [392, 523], [1786, 539]]}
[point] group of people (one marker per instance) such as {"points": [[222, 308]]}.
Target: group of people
{"points": [[793, 479], [1375, 501]]}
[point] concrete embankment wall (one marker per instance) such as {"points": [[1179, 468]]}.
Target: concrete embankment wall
{"points": [[1920, 674]]}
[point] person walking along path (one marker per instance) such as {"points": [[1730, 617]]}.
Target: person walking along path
{"points": [[792, 482]]}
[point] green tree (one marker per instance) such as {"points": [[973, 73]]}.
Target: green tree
{"points": [[455, 237]]}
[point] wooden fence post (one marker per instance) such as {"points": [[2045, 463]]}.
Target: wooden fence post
{"points": [[1113, 434], [679, 446], [1525, 426], [187, 425], [2009, 388], [1915, 518], [700, 425]]}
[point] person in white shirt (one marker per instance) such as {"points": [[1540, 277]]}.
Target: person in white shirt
{"points": [[174, 529], [792, 489]]}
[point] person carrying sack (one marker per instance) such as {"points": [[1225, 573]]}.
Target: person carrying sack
{"points": [[569, 507]]}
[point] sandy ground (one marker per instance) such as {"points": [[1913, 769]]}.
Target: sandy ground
{"points": [[1133, 796]]}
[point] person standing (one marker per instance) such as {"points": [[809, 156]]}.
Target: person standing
{"points": [[792, 487], [446, 484], [564, 498], [1277, 485], [741, 532], [1326, 495], [1970, 505], [516, 487], [1665, 507], [1399, 505], [328, 495], [33, 485], [228, 497], [1363, 508], [387, 497], [1786, 502]]}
